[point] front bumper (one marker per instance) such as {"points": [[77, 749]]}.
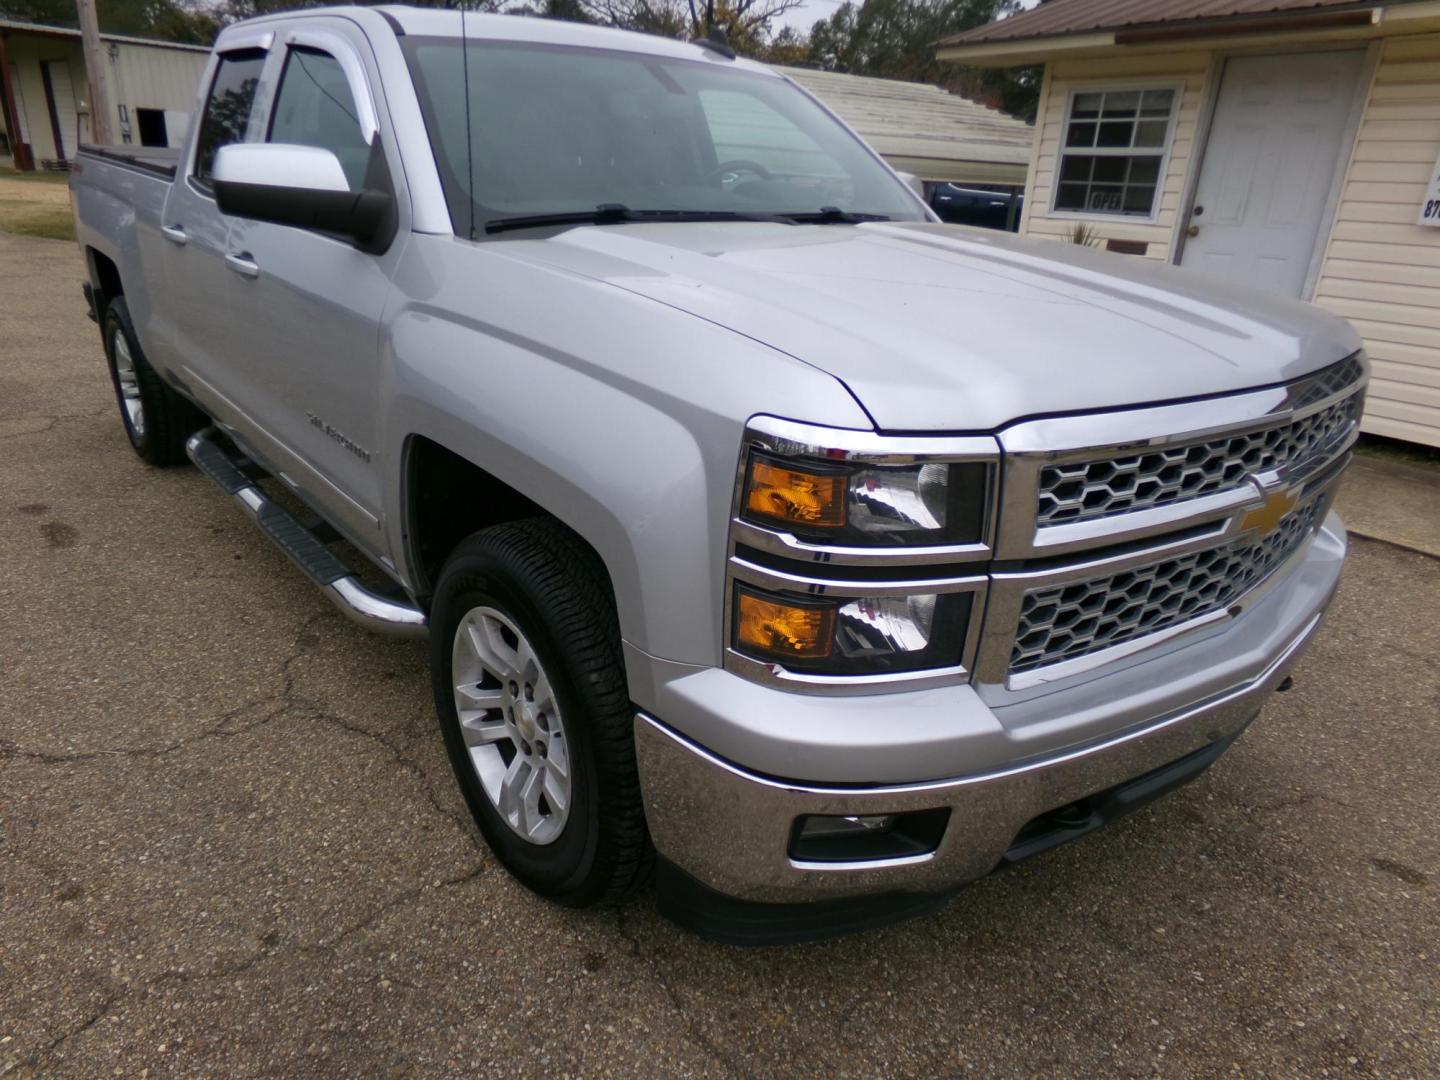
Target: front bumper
{"points": [[729, 828]]}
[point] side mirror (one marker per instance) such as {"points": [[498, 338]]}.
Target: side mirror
{"points": [[303, 186], [913, 182]]}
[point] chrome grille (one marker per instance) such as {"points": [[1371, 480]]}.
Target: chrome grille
{"points": [[1061, 622], [1084, 490]]}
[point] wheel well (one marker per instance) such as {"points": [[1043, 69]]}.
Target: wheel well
{"points": [[105, 276], [447, 499]]}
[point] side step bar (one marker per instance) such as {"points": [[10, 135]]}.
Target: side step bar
{"points": [[319, 564]]}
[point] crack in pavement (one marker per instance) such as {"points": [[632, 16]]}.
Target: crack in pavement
{"points": [[48, 422], [696, 1036], [143, 988]]}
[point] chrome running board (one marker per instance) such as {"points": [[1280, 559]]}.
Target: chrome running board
{"points": [[306, 550]]}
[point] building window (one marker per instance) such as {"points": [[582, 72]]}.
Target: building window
{"points": [[1115, 142], [151, 123]]}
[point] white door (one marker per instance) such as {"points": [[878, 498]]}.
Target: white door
{"points": [[62, 99], [1272, 156]]}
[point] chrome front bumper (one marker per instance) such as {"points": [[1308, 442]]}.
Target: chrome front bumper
{"points": [[730, 828]]}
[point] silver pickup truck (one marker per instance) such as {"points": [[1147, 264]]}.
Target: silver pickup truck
{"points": [[765, 530]]}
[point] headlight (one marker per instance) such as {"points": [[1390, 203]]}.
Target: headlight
{"points": [[857, 561], [867, 505], [873, 635]]}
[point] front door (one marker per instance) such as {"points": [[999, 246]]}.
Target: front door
{"points": [[310, 350], [1269, 165]]}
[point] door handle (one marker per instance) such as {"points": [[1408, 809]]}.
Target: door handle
{"points": [[175, 234], [243, 264], [1193, 230]]}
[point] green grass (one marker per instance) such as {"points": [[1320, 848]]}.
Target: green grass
{"points": [[36, 204], [35, 177]]}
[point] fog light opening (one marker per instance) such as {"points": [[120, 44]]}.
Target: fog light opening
{"points": [[851, 838]]}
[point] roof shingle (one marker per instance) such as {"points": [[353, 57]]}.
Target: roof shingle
{"points": [[1056, 17]]}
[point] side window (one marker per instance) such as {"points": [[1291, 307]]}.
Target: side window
{"points": [[315, 108], [227, 110]]}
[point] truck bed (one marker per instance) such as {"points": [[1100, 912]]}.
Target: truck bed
{"points": [[162, 161]]}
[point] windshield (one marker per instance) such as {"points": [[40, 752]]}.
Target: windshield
{"points": [[557, 130]]}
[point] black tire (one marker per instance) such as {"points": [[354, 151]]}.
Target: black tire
{"points": [[546, 581], [165, 418]]}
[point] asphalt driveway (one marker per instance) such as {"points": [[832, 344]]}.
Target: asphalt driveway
{"points": [[230, 844]]}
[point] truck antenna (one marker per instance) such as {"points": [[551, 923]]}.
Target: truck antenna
{"points": [[469, 133]]}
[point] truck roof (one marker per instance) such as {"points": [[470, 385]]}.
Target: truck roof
{"points": [[440, 22]]}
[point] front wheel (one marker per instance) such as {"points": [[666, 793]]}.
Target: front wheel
{"points": [[530, 689]]}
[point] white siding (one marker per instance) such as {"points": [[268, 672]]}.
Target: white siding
{"points": [[1381, 270], [1190, 70]]}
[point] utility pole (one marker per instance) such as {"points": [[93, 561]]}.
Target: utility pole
{"points": [[97, 72]]}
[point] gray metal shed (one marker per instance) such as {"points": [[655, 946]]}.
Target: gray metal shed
{"points": [[925, 130]]}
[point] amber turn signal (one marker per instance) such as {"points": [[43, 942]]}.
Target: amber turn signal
{"points": [[782, 630], [795, 496]]}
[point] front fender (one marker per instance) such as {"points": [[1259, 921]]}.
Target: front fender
{"points": [[618, 415]]}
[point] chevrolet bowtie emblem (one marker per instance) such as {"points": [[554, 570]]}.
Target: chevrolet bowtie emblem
{"points": [[1267, 517]]}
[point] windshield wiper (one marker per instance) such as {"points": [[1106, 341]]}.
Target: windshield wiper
{"points": [[833, 215], [618, 214]]}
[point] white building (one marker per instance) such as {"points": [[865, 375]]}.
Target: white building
{"points": [[44, 92]]}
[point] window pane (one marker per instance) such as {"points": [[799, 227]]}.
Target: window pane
{"points": [[1139, 198], [1150, 133], [1075, 167], [1122, 102], [1110, 170], [1157, 102], [1081, 134], [1144, 170], [227, 111], [1086, 106], [1105, 197], [1115, 133], [1071, 197], [315, 108]]}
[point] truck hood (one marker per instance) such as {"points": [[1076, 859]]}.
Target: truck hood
{"points": [[934, 328]]}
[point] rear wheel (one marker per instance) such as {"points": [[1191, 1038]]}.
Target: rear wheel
{"points": [[530, 689], [157, 420]]}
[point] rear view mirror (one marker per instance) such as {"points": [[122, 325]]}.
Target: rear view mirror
{"points": [[303, 186]]}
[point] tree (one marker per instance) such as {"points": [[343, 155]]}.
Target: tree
{"points": [[895, 39], [171, 20], [787, 46], [745, 23]]}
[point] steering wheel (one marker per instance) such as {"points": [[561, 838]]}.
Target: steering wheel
{"points": [[738, 165]]}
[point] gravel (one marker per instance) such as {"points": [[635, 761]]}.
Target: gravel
{"points": [[230, 844]]}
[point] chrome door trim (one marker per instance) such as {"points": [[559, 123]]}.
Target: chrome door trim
{"points": [[336, 45]]}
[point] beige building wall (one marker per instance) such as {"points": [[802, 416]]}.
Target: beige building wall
{"points": [[1381, 270], [26, 54], [1188, 71], [157, 78], [140, 77]]}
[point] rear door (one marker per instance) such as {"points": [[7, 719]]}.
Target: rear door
{"points": [[197, 239], [312, 303]]}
